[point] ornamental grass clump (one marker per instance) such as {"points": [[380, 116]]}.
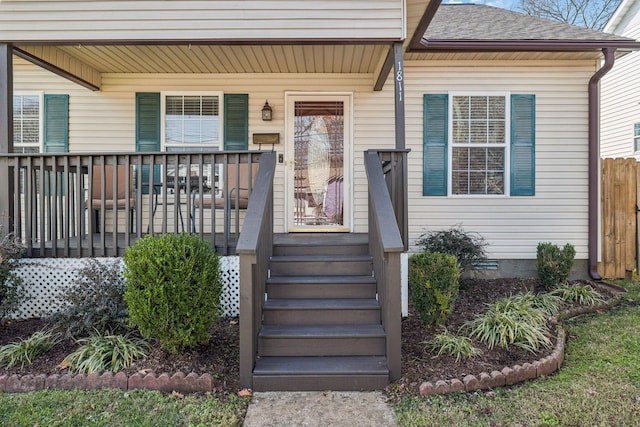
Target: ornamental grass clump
{"points": [[546, 302], [578, 294], [173, 289], [511, 322], [454, 345], [100, 353], [24, 352], [434, 285]]}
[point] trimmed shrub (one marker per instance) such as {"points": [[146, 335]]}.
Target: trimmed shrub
{"points": [[468, 248], [94, 301], [173, 289], [433, 280], [11, 290], [554, 264]]}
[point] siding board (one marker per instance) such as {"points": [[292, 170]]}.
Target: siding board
{"points": [[193, 20]]}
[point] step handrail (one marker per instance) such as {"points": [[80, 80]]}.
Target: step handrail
{"points": [[385, 247], [255, 247]]}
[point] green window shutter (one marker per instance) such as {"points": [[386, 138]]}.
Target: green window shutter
{"points": [[436, 125], [236, 122], [148, 131], [523, 153], [147, 121], [56, 123]]}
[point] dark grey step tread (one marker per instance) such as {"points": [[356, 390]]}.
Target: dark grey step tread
{"points": [[314, 239], [322, 365], [322, 331], [322, 304], [295, 280], [321, 258]]}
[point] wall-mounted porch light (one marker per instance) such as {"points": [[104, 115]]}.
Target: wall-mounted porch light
{"points": [[266, 112]]}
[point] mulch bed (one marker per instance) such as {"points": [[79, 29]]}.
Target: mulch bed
{"points": [[220, 356]]}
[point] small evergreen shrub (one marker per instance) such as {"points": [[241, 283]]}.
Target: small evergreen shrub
{"points": [[94, 301], [554, 264], [27, 350], [11, 288], [456, 346], [100, 353], [173, 289], [468, 248], [433, 280]]}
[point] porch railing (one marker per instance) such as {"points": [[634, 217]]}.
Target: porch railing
{"points": [[255, 247], [385, 246], [394, 167], [98, 204]]}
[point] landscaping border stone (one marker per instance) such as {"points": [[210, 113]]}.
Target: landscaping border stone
{"points": [[178, 382]]}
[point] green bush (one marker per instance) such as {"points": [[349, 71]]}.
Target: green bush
{"points": [[173, 289], [11, 290], [94, 301], [467, 248], [554, 264], [433, 280]]}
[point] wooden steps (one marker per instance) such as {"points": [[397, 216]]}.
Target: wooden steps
{"points": [[321, 319]]}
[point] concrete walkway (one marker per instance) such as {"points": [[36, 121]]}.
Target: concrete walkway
{"points": [[319, 409]]}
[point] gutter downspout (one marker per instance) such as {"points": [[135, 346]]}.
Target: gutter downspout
{"points": [[594, 159]]}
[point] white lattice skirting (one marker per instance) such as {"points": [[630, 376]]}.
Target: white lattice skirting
{"points": [[44, 279]]}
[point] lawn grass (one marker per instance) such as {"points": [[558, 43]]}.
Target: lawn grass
{"points": [[119, 408], [598, 385]]}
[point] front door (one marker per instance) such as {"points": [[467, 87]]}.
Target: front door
{"points": [[318, 151]]}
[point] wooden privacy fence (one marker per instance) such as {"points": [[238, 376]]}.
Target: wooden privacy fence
{"points": [[619, 192]]}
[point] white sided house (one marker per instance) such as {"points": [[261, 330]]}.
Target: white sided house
{"points": [[316, 140], [620, 120]]}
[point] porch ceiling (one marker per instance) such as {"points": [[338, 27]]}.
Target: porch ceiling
{"points": [[85, 61]]}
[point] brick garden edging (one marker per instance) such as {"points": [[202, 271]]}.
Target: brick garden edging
{"points": [[194, 383], [178, 382], [511, 375]]}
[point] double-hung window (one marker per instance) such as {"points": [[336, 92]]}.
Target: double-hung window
{"points": [[27, 123], [479, 144], [636, 136], [192, 122]]}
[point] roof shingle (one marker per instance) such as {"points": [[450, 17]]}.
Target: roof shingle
{"points": [[474, 22]]}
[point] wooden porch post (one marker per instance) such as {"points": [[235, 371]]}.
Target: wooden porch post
{"points": [[6, 136], [398, 78]]}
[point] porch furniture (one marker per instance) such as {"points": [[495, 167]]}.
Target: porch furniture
{"points": [[112, 196], [234, 195]]}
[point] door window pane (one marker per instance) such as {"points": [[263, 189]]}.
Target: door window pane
{"points": [[319, 163]]}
